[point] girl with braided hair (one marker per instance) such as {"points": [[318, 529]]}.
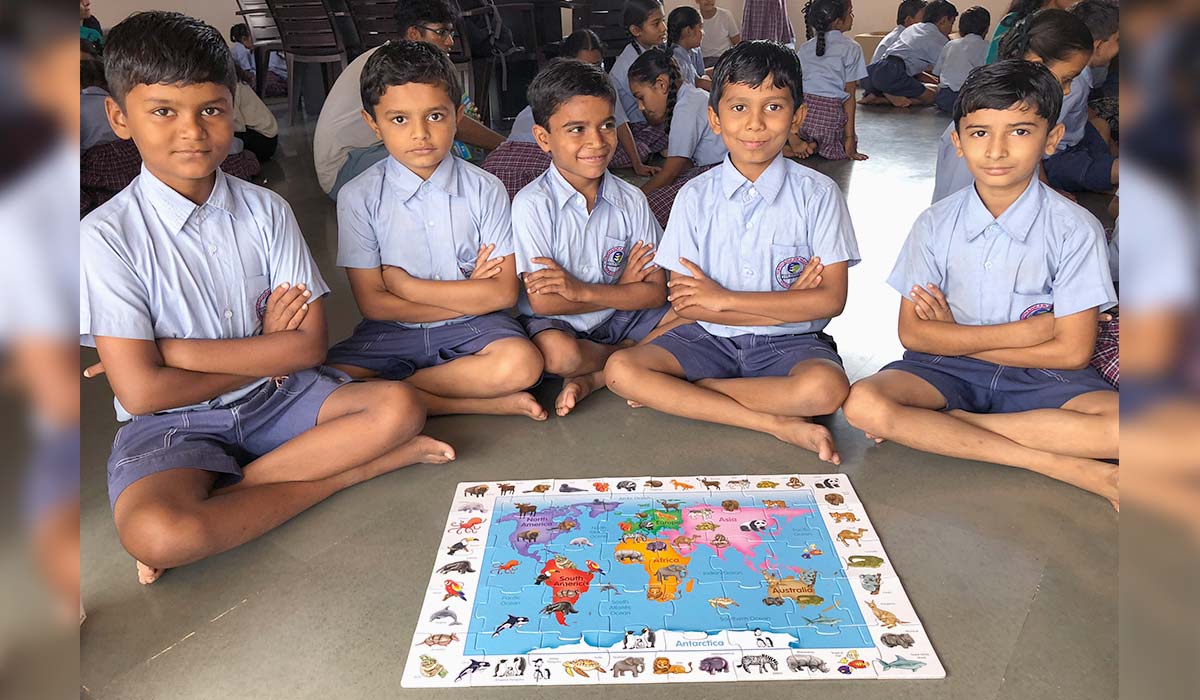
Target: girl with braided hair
{"points": [[1054, 37], [646, 23], [832, 64], [685, 32], [1017, 11], [682, 110]]}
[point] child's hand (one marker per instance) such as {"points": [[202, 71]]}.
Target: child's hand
{"points": [[697, 290], [931, 304], [640, 168], [810, 277], [554, 280], [852, 148], [394, 279], [637, 267], [486, 267], [94, 371], [286, 308]]}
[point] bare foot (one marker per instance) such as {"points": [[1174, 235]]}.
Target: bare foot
{"points": [[898, 101], [520, 403], [575, 390], [804, 433], [873, 100], [634, 404], [878, 440], [148, 574], [425, 450]]}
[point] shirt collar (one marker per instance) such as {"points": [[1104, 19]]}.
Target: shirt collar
{"points": [[406, 182], [1016, 221], [768, 184], [563, 192], [175, 209]]}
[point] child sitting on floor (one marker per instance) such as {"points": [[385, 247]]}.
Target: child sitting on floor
{"points": [[646, 24], [685, 32], [833, 64], [426, 241], [908, 13], [900, 77], [200, 295], [759, 251], [682, 110], [585, 238], [519, 159], [1002, 284], [961, 56]]}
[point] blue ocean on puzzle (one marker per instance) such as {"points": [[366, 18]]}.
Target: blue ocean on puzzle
{"points": [[615, 600]]}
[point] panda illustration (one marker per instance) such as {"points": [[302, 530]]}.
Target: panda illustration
{"points": [[754, 526]]}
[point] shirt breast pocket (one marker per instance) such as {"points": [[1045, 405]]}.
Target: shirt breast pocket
{"points": [[787, 263], [612, 259], [1025, 306], [258, 290], [466, 259]]}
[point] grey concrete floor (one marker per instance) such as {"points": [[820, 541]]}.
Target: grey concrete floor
{"points": [[1013, 575]]}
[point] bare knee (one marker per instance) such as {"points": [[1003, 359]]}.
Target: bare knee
{"points": [[162, 536], [620, 370], [562, 357], [828, 390], [867, 409], [397, 412], [517, 365]]}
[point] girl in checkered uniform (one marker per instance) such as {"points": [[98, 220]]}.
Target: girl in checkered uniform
{"points": [[833, 64]]}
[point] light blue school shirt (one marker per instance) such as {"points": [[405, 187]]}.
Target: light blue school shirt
{"points": [[551, 220], [690, 135], [919, 46], [620, 77], [93, 118], [691, 63], [758, 236], [1044, 253], [958, 59], [886, 43], [243, 57], [828, 74], [1162, 263], [152, 264], [432, 228], [1075, 109]]}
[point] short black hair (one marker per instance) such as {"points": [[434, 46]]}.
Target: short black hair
{"points": [[1102, 17], [91, 73], [414, 13], [1008, 83], [974, 20], [939, 10], [403, 62], [1052, 35], [165, 48], [750, 62], [239, 31], [562, 79], [908, 8]]}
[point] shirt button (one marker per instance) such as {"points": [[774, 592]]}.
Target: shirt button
{"points": [[430, 222], [228, 313], [749, 226], [987, 265], [212, 249], [437, 277]]}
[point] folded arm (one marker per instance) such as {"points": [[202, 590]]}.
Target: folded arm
{"points": [[1070, 347], [378, 303], [145, 384], [475, 296]]}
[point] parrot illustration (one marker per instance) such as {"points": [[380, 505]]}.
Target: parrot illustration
{"points": [[454, 589]]}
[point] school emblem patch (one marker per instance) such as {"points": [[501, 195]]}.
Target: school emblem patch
{"points": [[788, 270], [260, 306], [1041, 308], [613, 259]]}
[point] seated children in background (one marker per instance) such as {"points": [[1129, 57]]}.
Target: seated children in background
{"points": [[519, 159], [682, 110], [720, 31], [584, 238], [200, 295], [426, 241], [247, 64], [1002, 284], [685, 31], [647, 26], [343, 145], [253, 123], [962, 55], [908, 13], [1053, 37], [1084, 161], [93, 93], [759, 250], [895, 78], [833, 64]]}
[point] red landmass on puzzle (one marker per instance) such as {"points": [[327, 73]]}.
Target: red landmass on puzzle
{"points": [[567, 584]]}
